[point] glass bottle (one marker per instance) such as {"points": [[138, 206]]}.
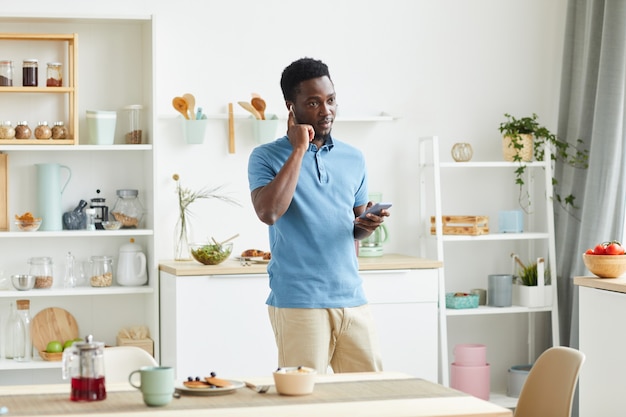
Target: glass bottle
{"points": [[22, 131], [22, 342], [12, 322], [59, 131], [6, 130], [30, 73], [128, 209], [70, 276], [54, 75], [43, 131], [6, 73]]}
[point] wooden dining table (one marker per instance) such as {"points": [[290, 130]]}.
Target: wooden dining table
{"points": [[387, 394]]}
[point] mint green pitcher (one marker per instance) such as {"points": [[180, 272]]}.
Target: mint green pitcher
{"points": [[49, 192]]}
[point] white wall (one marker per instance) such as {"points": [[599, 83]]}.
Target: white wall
{"points": [[442, 67]]}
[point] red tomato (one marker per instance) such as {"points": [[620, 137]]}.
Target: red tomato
{"points": [[589, 252], [599, 249], [614, 248]]}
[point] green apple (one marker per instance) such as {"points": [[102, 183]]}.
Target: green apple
{"points": [[69, 343], [54, 347]]}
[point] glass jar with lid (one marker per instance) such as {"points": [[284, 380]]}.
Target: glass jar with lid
{"points": [[59, 131], [54, 74], [41, 268], [43, 131], [30, 73], [101, 271], [6, 130], [128, 210], [22, 130], [132, 120], [6, 73]]}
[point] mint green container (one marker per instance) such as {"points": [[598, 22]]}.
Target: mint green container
{"points": [[101, 126]]}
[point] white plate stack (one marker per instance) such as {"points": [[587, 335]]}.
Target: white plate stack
{"points": [[470, 371]]}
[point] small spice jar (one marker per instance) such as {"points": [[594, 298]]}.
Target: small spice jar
{"points": [[41, 268], [22, 131], [6, 73], [30, 73], [59, 131], [6, 130], [43, 131], [54, 77]]}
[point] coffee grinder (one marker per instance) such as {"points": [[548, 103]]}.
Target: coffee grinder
{"points": [[102, 211]]}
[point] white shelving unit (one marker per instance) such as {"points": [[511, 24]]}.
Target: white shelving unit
{"points": [[110, 78], [537, 238]]}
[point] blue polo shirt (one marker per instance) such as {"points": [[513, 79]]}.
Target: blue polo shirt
{"points": [[314, 263]]}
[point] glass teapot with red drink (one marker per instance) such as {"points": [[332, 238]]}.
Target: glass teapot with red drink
{"points": [[83, 362]]}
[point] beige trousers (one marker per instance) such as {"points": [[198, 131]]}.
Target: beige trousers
{"points": [[342, 338]]}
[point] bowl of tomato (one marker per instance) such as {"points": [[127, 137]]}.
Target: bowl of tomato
{"points": [[606, 260]]}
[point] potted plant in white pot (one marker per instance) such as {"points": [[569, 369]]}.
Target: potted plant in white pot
{"points": [[528, 289], [524, 139]]}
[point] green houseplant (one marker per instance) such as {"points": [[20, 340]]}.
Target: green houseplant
{"points": [[528, 290], [516, 135]]}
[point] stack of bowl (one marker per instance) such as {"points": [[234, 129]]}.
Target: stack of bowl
{"points": [[470, 371]]}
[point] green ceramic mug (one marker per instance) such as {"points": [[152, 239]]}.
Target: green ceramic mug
{"points": [[156, 384]]}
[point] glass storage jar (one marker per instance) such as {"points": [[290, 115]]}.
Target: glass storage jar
{"points": [[41, 268], [6, 130], [128, 210], [54, 74], [22, 131], [101, 271], [43, 131], [59, 131], [6, 73], [30, 73], [133, 130]]}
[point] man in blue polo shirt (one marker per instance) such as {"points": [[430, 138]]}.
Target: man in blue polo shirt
{"points": [[310, 189]]}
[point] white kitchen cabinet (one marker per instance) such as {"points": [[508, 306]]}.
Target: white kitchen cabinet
{"points": [[215, 318], [602, 306], [115, 63], [447, 188]]}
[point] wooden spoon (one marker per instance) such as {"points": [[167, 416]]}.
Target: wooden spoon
{"points": [[259, 104], [180, 104], [191, 104], [251, 109]]}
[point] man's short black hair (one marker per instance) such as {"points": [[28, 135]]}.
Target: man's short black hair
{"points": [[301, 70]]}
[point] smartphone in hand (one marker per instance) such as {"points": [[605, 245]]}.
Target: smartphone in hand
{"points": [[375, 209]]}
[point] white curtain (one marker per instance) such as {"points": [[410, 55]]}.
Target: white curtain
{"points": [[592, 106]]}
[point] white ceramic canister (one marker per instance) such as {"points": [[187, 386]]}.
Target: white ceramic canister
{"points": [[131, 265]]}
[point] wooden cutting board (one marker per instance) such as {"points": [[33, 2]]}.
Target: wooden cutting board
{"points": [[50, 324]]}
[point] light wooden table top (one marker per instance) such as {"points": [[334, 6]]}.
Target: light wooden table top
{"points": [[428, 400]]}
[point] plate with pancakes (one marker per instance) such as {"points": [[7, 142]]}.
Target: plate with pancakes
{"points": [[210, 385]]}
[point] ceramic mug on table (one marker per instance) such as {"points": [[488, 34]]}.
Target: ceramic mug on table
{"points": [[156, 384]]}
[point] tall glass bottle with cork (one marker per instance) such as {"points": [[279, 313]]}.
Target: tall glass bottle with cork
{"points": [[22, 342]]}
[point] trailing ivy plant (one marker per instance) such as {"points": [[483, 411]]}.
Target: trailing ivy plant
{"points": [[574, 155]]}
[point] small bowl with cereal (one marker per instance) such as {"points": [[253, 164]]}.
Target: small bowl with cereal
{"points": [[295, 380], [27, 222]]}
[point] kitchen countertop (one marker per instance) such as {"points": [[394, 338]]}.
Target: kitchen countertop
{"points": [[232, 266], [609, 284], [337, 395]]}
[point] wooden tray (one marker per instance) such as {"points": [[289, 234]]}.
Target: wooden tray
{"points": [[462, 225], [52, 324]]}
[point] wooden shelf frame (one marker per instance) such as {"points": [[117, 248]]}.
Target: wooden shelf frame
{"points": [[69, 89]]}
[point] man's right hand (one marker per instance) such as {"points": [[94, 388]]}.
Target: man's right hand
{"points": [[300, 135]]}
